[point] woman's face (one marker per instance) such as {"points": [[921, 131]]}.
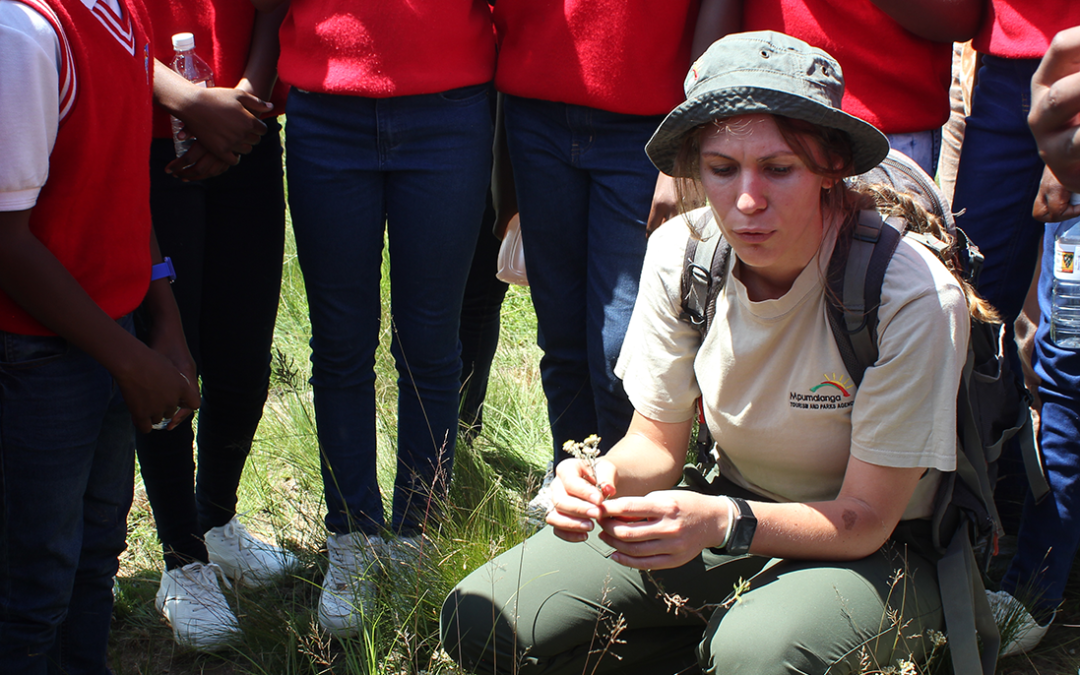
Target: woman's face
{"points": [[766, 200]]}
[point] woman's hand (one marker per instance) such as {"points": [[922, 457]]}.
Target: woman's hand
{"points": [[663, 529], [577, 495]]}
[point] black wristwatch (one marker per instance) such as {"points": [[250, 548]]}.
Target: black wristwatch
{"points": [[743, 525]]}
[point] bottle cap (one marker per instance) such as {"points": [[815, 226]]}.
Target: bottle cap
{"points": [[183, 42]]}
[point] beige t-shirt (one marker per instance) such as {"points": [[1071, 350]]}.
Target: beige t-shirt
{"points": [[778, 399]]}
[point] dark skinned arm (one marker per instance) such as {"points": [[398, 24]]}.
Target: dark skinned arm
{"points": [[260, 72], [32, 276], [268, 5], [936, 20]]}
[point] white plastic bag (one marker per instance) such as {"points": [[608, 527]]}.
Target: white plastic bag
{"points": [[512, 255]]}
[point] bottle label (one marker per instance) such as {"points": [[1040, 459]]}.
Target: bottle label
{"points": [[1066, 266]]}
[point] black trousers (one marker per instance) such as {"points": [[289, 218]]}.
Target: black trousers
{"points": [[225, 237]]}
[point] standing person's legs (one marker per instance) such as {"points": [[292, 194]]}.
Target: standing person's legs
{"points": [[338, 210], [166, 459], [1050, 530], [584, 189], [996, 184], [997, 180], [84, 634], [622, 184], [553, 199], [480, 324], [439, 168], [66, 473], [241, 285]]}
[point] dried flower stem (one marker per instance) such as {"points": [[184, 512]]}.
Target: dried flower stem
{"points": [[588, 451]]}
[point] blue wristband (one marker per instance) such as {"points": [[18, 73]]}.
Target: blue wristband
{"points": [[162, 270]]}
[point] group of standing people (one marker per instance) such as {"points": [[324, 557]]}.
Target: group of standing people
{"points": [[390, 133]]}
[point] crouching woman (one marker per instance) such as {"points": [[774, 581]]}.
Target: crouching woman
{"points": [[802, 555]]}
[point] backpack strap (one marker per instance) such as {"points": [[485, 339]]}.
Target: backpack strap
{"points": [[856, 273], [704, 269], [967, 612], [704, 273], [1033, 463]]}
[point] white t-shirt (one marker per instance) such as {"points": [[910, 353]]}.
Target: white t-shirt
{"points": [[29, 101], [777, 396]]}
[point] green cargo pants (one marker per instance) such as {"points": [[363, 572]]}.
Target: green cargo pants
{"points": [[557, 608]]}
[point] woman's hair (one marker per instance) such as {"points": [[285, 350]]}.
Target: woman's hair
{"points": [[890, 203]]}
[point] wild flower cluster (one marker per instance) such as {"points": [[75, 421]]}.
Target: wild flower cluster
{"points": [[588, 451]]}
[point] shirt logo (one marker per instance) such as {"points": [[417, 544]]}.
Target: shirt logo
{"points": [[835, 392]]}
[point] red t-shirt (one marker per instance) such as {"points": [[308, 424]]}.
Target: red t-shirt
{"points": [[222, 31], [93, 212], [1022, 29], [624, 57], [384, 48], [894, 79]]}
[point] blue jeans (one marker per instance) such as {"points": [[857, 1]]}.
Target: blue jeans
{"points": [[1050, 530], [923, 147], [997, 181], [584, 187], [66, 472], [226, 237], [418, 166]]}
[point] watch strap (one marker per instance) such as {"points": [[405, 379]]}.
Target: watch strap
{"points": [[162, 270], [742, 528]]}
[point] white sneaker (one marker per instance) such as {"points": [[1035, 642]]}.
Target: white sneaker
{"points": [[348, 591], [193, 604], [1020, 633], [245, 558], [539, 506]]}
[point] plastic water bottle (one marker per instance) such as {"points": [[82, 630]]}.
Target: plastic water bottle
{"points": [[193, 69], [1065, 296]]}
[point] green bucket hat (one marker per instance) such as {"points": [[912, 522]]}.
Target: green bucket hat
{"points": [[764, 72]]}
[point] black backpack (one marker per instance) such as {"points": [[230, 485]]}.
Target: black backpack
{"points": [[992, 404]]}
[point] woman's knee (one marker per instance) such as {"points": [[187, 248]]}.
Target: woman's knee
{"points": [[818, 619], [469, 627]]}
